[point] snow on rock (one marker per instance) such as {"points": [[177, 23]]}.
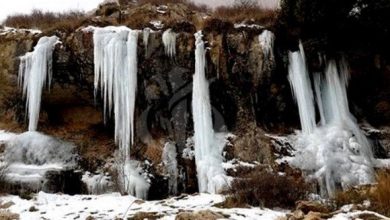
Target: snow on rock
{"points": [[251, 26], [112, 206], [7, 30], [35, 70], [157, 24], [169, 41]]}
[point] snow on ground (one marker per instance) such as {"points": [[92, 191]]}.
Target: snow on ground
{"points": [[111, 206]]}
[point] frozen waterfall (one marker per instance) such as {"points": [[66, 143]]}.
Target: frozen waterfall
{"points": [[208, 156], [336, 152], [35, 71], [115, 60]]}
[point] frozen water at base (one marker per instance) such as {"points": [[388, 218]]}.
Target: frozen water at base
{"points": [[329, 155], [29, 156], [131, 179], [98, 183], [169, 158]]}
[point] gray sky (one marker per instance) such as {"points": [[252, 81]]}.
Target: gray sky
{"points": [[25, 6]]}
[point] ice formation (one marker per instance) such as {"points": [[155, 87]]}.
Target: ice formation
{"points": [[303, 93], [336, 152], [35, 70], [131, 180], [29, 156], [208, 156], [115, 60], [266, 39], [146, 35], [169, 41], [169, 158], [98, 183]]}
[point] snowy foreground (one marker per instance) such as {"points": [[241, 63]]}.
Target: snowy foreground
{"points": [[113, 206]]}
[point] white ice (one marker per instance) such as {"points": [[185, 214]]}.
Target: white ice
{"points": [[35, 70], [29, 156], [336, 153], [169, 41], [208, 154], [115, 59], [266, 39]]}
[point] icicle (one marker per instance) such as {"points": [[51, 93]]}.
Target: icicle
{"points": [[169, 41], [208, 156], [317, 89], [146, 34], [116, 75], [35, 70], [301, 87], [266, 39]]}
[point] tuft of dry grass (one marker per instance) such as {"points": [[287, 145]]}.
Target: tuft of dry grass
{"points": [[38, 19], [266, 189], [378, 195]]}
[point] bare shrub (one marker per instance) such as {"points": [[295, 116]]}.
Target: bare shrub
{"points": [[267, 189]]}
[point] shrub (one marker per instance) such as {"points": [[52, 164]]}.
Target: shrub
{"points": [[268, 189]]}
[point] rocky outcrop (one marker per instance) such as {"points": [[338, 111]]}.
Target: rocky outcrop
{"points": [[249, 94]]}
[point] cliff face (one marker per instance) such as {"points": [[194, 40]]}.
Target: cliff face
{"points": [[249, 93]]}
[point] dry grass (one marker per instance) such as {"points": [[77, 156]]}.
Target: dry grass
{"points": [[38, 19], [379, 195], [266, 189], [250, 14], [7, 215]]}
